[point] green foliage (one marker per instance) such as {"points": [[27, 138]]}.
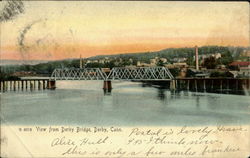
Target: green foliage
{"points": [[160, 63], [226, 58], [190, 61], [210, 62], [94, 65], [174, 71], [7, 76], [228, 55]]}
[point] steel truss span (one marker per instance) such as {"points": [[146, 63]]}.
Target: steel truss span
{"points": [[116, 73]]}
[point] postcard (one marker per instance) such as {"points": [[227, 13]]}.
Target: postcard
{"points": [[124, 79]]}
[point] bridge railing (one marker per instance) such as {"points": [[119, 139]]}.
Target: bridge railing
{"points": [[116, 73]]}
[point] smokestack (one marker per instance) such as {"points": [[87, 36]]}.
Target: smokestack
{"points": [[80, 61], [196, 58]]}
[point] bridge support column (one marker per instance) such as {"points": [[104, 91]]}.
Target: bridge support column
{"points": [[31, 85], [14, 85], [172, 85], [39, 85], [22, 82], [107, 86], [195, 82], [10, 85], [221, 86], [212, 86], [18, 84], [34, 84], [5, 85], [1, 85], [204, 85], [44, 84], [26, 84], [51, 84]]}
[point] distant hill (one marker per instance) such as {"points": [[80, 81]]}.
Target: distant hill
{"points": [[22, 62], [166, 53], [228, 54], [186, 52]]}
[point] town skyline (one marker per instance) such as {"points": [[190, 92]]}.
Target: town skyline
{"points": [[68, 30]]}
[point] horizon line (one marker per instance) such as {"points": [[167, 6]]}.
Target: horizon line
{"points": [[122, 53]]}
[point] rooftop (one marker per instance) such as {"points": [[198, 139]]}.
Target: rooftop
{"points": [[240, 63]]}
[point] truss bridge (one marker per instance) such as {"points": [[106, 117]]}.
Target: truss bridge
{"points": [[116, 73]]}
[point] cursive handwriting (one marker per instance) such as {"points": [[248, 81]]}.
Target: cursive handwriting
{"points": [[150, 142], [62, 141], [139, 132]]}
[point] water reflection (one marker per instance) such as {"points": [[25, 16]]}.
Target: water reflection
{"points": [[128, 103], [161, 94], [107, 91], [197, 101]]}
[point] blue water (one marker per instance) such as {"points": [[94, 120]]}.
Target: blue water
{"points": [[129, 104]]}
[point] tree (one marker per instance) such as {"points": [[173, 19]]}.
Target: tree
{"points": [[210, 62], [226, 58], [190, 61], [174, 71], [160, 63]]}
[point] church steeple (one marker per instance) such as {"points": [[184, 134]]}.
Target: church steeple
{"points": [[81, 62]]}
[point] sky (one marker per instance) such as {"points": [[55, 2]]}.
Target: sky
{"points": [[55, 30]]}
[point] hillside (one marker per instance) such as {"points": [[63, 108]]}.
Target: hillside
{"points": [[228, 53]]}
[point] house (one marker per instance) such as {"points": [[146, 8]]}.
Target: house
{"points": [[244, 71], [179, 60], [245, 53], [102, 61], [131, 60], [234, 73], [164, 60], [180, 64], [153, 61], [243, 68], [239, 64], [216, 55], [169, 66], [138, 63]]}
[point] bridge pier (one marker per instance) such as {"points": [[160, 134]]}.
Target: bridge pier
{"points": [[107, 86], [44, 84], [39, 85], [10, 85], [26, 84], [51, 84], [31, 85], [172, 85], [22, 84]]}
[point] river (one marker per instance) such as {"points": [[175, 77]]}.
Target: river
{"points": [[129, 104]]}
